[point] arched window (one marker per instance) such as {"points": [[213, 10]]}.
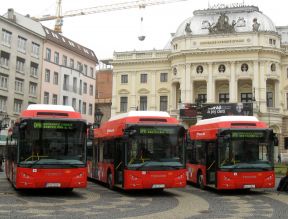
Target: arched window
{"points": [[244, 67], [221, 68], [273, 67], [199, 69]]}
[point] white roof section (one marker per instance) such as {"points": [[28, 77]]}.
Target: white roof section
{"points": [[50, 107], [228, 119], [140, 114]]}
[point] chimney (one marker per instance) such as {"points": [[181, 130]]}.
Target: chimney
{"points": [[11, 15]]}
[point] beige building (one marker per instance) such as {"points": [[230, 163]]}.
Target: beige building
{"points": [[219, 55]]}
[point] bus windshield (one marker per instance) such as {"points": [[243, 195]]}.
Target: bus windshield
{"points": [[52, 142], [251, 149], [156, 147]]}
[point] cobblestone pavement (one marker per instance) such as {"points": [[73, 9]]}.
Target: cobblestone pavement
{"points": [[99, 202]]}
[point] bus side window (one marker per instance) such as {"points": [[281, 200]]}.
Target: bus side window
{"points": [[200, 152]]}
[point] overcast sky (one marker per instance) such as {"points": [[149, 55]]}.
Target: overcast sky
{"points": [[118, 31]]}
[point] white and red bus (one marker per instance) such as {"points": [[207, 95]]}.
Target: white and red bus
{"points": [[47, 149], [231, 152], [139, 150]]}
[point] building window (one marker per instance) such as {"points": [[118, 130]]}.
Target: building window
{"points": [[84, 108], [175, 71], [74, 84], [92, 72], [199, 69], [3, 82], [34, 69], [6, 37], [163, 103], [143, 103], [221, 68], [72, 63], [273, 67], [46, 98], [64, 60], [3, 103], [4, 61], [80, 105], [74, 103], [123, 104], [17, 106], [85, 69], [80, 87], [79, 66], [19, 85], [84, 88], [55, 78], [47, 75], [32, 89], [91, 90], [269, 96], [163, 77], [56, 58], [244, 67], [65, 100], [202, 98], [54, 99], [143, 78], [48, 54], [90, 109], [224, 98], [66, 82], [246, 97], [22, 44], [35, 50], [20, 64], [124, 79]]}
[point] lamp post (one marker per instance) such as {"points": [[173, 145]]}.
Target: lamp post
{"points": [[98, 118]]}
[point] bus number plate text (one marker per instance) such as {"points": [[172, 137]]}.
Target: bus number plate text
{"points": [[158, 186], [53, 185], [249, 186]]}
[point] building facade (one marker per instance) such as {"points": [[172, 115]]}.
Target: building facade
{"points": [[69, 74], [219, 55]]}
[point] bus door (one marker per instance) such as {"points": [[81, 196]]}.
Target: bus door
{"points": [[119, 161], [211, 163], [95, 159]]}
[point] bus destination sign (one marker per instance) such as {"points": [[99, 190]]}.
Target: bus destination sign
{"points": [[249, 134], [155, 131], [52, 125]]}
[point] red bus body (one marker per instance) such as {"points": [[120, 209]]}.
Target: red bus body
{"points": [[213, 139], [125, 134], [41, 169]]}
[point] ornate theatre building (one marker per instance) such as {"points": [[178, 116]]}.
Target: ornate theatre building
{"points": [[220, 56]]}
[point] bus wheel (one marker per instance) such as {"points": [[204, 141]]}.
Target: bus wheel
{"points": [[109, 181], [200, 180]]}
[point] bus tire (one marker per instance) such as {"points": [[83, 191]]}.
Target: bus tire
{"points": [[109, 180], [200, 180]]}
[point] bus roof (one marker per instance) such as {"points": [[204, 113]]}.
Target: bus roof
{"points": [[140, 114], [50, 107], [228, 119], [117, 124]]}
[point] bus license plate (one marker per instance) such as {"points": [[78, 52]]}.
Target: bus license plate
{"points": [[249, 186], [53, 185], [158, 186]]}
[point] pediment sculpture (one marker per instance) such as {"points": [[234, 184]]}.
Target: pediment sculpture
{"points": [[222, 25]]}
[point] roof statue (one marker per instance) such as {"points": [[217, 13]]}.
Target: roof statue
{"points": [[222, 25], [187, 28], [255, 25]]}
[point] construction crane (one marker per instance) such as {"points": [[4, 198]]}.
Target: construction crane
{"points": [[141, 4]]}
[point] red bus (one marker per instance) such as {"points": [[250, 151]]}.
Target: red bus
{"points": [[47, 149], [231, 152], [139, 150]]}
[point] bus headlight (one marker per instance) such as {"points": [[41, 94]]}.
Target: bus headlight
{"points": [[269, 178], [25, 175], [80, 175]]}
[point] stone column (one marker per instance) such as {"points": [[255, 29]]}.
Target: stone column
{"points": [[233, 85], [210, 85], [133, 101], [154, 105], [115, 101], [188, 98], [262, 85]]}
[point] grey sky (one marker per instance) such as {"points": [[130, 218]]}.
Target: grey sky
{"points": [[119, 30]]}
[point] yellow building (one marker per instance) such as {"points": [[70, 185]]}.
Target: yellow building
{"points": [[219, 55]]}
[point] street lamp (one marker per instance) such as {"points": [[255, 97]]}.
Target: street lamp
{"points": [[4, 120], [98, 118]]}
